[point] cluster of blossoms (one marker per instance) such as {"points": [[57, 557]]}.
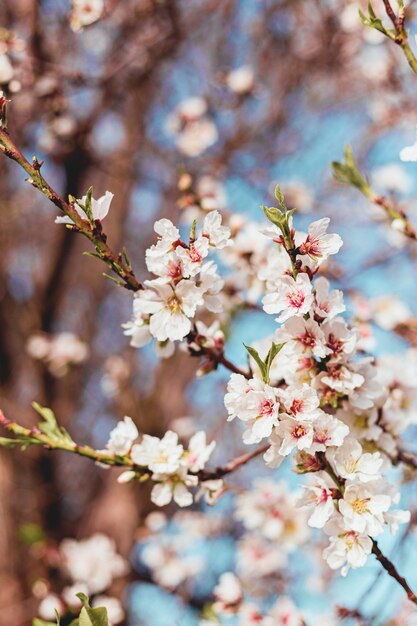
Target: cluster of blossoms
{"points": [[88, 566], [173, 468], [229, 598], [184, 281], [317, 390]]}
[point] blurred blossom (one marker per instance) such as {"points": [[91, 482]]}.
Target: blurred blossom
{"points": [[193, 129], [58, 352], [85, 12], [6, 69], [392, 178], [241, 80], [93, 562]]}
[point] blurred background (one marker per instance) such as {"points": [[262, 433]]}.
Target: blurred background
{"points": [[241, 95]]}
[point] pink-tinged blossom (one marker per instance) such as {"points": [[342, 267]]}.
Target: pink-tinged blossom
{"points": [[198, 452], [253, 402], [284, 613], [99, 209], [295, 434], [169, 308], [340, 339], [319, 244], [328, 432], [327, 304], [292, 297], [192, 258], [300, 403], [348, 548], [340, 378], [271, 509], [307, 334], [318, 500]]}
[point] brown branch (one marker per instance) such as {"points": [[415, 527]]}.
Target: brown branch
{"points": [[233, 465], [91, 230], [35, 437], [391, 14], [390, 568]]}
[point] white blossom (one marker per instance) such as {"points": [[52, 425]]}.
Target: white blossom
{"points": [[319, 245], [99, 209], [122, 436], [292, 297]]}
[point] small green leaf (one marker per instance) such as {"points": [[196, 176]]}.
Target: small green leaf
{"points": [[88, 206], [6, 442], [273, 351], [348, 172], [372, 21], [254, 354], [49, 425], [90, 616], [274, 215], [40, 622], [280, 197], [192, 231]]}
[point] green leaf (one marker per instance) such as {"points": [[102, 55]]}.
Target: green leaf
{"points": [[348, 172], [254, 354], [273, 351], [6, 442], [280, 197], [49, 426], [372, 21], [274, 215], [92, 617], [265, 365], [40, 622], [88, 205]]}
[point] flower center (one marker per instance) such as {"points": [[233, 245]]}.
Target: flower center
{"points": [[308, 340], [174, 304], [266, 408], [296, 299], [194, 255], [360, 506], [299, 431], [350, 465], [296, 406]]}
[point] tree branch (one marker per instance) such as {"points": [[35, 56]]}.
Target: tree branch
{"points": [[92, 231]]}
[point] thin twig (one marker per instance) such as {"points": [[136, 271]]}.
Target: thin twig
{"points": [[393, 572]]}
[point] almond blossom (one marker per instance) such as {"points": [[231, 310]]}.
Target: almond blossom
{"points": [[170, 308], [347, 548], [292, 297], [362, 507], [122, 436], [319, 245], [99, 208], [351, 463], [318, 497]]}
